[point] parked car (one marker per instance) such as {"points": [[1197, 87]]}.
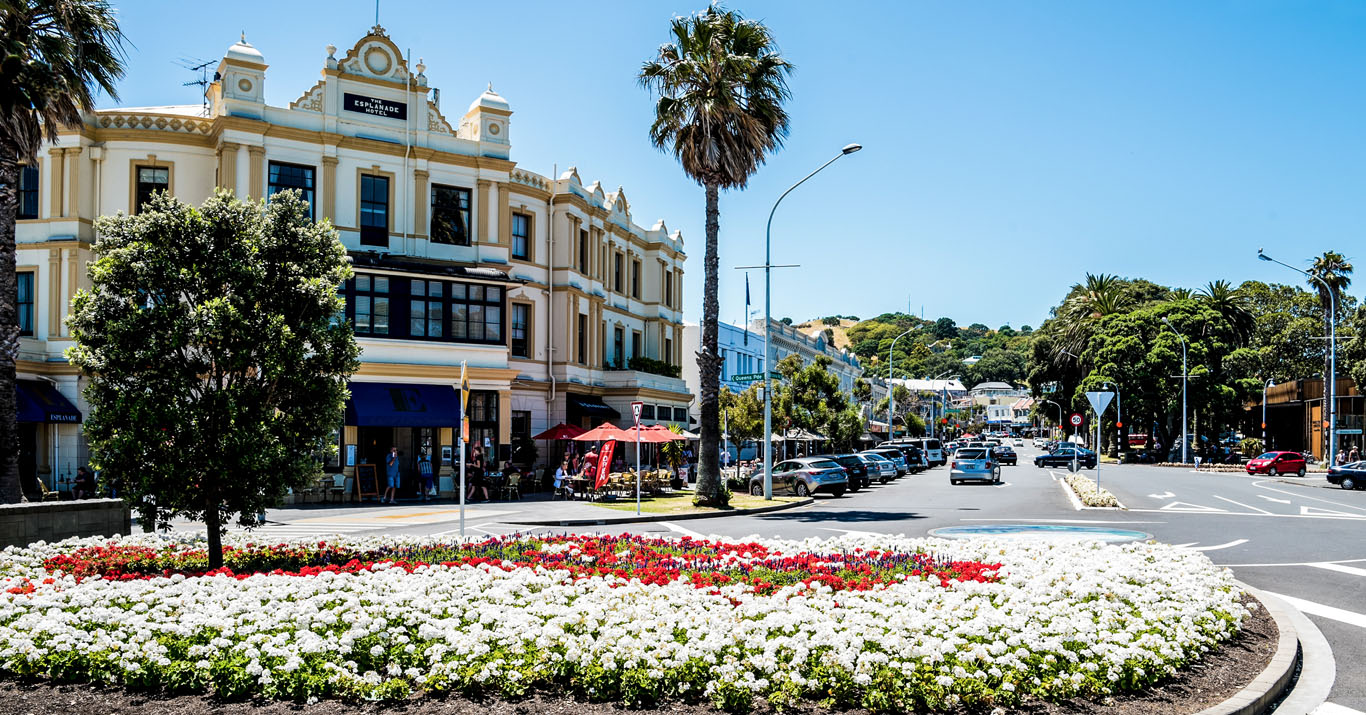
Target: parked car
{"points": [[1348, 476], [1005, 454], [896, 458], [915, 458], [1039, 442], [974, 464], [1275, 463], [804, 476], [886, 470], [1019, 442], [933, 449], [1063, 456], [856, 469]]}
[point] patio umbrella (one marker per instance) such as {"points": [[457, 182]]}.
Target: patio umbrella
{"points": [[561, 431], [601, 433], [654, 434]]}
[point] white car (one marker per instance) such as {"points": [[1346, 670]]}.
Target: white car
{"points": [[1019, 442]]}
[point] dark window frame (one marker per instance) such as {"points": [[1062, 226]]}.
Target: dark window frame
{"points": [[583, 251], [619, 345], [305, 182], [458, 307], [635, 278], [428, 307], [452, 215], [373, 232], [25, 313], [617, 272], [142, 195], [27, 193], [582, 339], [524, 236], [519, 347], [668, 288]]}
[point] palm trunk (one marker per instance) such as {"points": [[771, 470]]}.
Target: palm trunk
{"points": [[1327, 298], [709, 364], [213, 524], [10, 491]]}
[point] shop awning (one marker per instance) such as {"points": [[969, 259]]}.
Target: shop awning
{"points": [[40, 402], [390, 404], [590, 406]]}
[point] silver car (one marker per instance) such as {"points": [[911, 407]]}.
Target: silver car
{"points": [[804, 476], [974, 464], [878, 467], [894, 456]]}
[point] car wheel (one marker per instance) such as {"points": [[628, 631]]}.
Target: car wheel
{"points": [[756, 490], [1273, 472], [837, 492], [802, 490], [1349, 482], [1300, 473], [853, 487], [881, 480], [953, 482]]}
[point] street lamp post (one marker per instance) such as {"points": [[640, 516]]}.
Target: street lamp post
{"points": [[767, 367], [942, 406], [891, 386], [1119, 416], [1059, 411], [1332, 391], [1269, 384], [1185, 377]]}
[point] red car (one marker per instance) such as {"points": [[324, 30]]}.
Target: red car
{"points": [[1275, 463]]}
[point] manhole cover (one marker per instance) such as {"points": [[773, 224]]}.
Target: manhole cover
{"points": [[1041, 531]]}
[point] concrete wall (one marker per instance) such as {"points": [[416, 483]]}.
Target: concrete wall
{"points": [[23, 524]]}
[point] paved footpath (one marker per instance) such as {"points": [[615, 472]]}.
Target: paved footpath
{"points": [[1291, 537]]}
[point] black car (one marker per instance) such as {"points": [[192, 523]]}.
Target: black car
{"points": [[1063, 456], [1005, 454], [857, 470], [915, 457], [1348, 476]]}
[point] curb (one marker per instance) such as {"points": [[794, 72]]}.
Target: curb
{"points": [[1076, 500], [1274, 680], [662, 517]]}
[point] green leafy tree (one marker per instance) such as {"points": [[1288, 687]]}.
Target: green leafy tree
{"points": [[216, 357], [1353, 353], [56, 55], [906, 411], [721, 85]]}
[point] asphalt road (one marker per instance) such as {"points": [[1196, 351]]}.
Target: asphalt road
{"points": [[1291, 536]]}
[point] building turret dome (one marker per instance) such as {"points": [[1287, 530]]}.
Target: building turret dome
{"points": [[490, 100], [242, 50]]}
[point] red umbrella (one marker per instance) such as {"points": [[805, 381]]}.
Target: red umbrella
{"points": [[602, 432], [561, 431], [650, 435]]}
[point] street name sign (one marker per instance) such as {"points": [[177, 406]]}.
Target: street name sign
{"points": [[754, 377]]}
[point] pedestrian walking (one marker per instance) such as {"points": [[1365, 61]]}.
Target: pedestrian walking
{"points": [[391, 472], [1354, 455], [424, 470], [474, 472]]}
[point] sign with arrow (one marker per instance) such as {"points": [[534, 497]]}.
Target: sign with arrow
{"points": [[1099, 401]]}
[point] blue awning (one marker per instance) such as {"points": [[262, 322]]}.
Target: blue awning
{"points": [[390, 404], [40, 402], [590, 406]]}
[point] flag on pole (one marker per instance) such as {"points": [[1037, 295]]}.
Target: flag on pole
{"points": [[746, 320], [464, 402]]}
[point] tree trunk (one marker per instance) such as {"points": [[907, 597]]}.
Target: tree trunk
{"points": [[709, 364], [10, 491], [214, 524]]}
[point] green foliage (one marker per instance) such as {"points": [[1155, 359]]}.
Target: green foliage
{"points": [[216, 363], [744, 413], [1250, 447], [654, 367]]}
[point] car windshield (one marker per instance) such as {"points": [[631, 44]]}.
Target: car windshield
{"points": [[1268, 455], [822, 464], [972, 453]]}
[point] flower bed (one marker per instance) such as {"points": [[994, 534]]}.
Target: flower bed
{"points": [[1088, 493], [885, 623]]}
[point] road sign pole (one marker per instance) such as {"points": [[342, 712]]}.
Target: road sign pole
{"points": [[635, 413]]}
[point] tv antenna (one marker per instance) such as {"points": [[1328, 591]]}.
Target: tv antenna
{"points": [[194, 64]]}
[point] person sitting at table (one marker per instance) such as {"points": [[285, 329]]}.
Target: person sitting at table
{"points": [[589, 465], [562, 479]]}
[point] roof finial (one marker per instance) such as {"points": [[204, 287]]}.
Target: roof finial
{"points": [[244, 37], [490, 86]]}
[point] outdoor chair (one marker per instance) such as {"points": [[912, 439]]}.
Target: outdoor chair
{"points": [[339, 483], [512, 489]]}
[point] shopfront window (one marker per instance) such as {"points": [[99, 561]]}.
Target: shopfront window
{"points": [[476, 313], [483, 407]]}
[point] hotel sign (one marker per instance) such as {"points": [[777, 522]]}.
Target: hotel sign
{"points": [[374, 106]]}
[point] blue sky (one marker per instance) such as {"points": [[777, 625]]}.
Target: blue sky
{"points": [[1009, 147]]}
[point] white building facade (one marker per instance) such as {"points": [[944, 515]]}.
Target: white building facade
{"points": [[788, 340], [564, 308]]}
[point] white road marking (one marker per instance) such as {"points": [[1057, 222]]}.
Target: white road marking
{"points": [[680, 530], [1245, 506], [1220, 512], [1063, 521], [1330, 566], [1318, 609], [1163, 495], [855, 532], [1294, 563], [1259, 485], [1278, 501], [1335, 709], [1229, 545], [1183, 506], [1318, 511], [1182, 546]]}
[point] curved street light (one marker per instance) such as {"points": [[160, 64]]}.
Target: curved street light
{"points": [[1269, 384], [1332, 391], [767, 367], [1059, 411], [891, 386], [1185, 376]]}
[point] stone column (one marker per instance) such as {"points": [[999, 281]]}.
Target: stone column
{"points": [[227, 166], [54, 292], [480, 200], [504, 236], [56, 166], [420, 202], [329, 188], [72, 160], [71, 276], [256, 176]]}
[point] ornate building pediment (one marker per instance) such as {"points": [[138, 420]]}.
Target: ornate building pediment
{"points": [[377, 57]]}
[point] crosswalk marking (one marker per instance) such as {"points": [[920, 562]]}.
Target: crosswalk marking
{"points": [[1350, 570], [1318, 609]]}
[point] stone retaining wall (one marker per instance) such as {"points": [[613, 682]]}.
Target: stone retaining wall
{"points": [[23, 524]]}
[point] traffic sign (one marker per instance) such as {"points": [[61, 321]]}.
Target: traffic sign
{"points": [[1076, 419], [1099, 401], [635, 411], [754, 377]]}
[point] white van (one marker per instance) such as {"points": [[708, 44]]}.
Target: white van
{"points": [[931, 447]]}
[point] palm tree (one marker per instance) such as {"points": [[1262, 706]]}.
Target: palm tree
{"points": [[57, 53], [1233, 304], [1099, 296], [721, 86], [1176, 294]]}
